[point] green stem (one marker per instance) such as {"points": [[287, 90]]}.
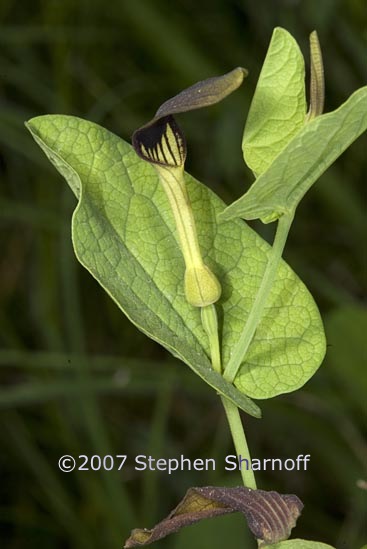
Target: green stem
{"points": [[209, 320], [257, 310], [210, 324], [240, 442]]}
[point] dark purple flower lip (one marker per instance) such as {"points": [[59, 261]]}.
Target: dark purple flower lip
{"points": [[161, 141]]}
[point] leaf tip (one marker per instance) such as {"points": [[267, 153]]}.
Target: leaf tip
{"points": [[28, 124]]}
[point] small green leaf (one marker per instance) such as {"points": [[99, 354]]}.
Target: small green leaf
{"points": [[315, 147], [278, 108], [124, 233], [301, 544], [270, 515]]}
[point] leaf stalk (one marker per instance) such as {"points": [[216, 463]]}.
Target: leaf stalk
{"points": [[257, 310], [210, 324]]}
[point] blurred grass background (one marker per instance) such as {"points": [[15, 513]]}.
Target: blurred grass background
{"points": [[76, 377]]}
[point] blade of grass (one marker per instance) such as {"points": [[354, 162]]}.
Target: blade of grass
{"points": [[34, 392], [55, 360], [165, 39], [118, 501], [22, 212], [57, 496], [155, 447]]}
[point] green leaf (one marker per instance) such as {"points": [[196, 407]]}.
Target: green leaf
{"points": [[315, 147], [301, 544], [124, 234], [278, 108]]}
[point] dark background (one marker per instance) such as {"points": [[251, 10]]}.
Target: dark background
{"points": [[76, 377]]}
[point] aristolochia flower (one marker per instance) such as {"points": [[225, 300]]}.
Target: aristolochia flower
{"points": [[161, 142]]}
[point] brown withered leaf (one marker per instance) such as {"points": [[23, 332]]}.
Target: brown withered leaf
{"points": [[270, 516]]}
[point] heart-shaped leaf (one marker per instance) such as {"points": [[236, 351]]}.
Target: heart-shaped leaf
{"points": [[278, 108], [270, 516], [124, 234], [296, 168]]}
